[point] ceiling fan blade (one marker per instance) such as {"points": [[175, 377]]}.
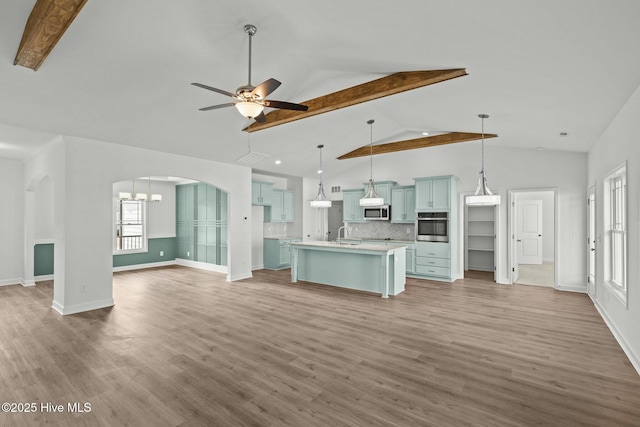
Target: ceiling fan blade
{"points": [[265, 88], [215, 107], [260, 117], [223, 92], [285, 105]]}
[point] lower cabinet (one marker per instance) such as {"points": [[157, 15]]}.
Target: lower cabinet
{"points": [[433, 259], [277, 252]]}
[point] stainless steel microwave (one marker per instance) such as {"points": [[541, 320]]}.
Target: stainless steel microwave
{"points": [[377, 213]]}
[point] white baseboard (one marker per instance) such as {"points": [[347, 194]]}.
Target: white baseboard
{"points": [[202, 265], [43, 277], [573, 288], [239, 277], [9, 282], [548, 260], [141, 266], [634, 359], [257, 267], [79, 308]]}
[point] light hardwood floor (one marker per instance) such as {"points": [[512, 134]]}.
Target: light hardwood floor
{"points": [[182, 347]]}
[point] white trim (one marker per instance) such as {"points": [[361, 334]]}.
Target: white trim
{"points": [[43, 242], [239, 277], [572, 288], [634, 359], [42, 278], [257, 267], [141, 266], [9, 282], [80, 308], [202, 265]]}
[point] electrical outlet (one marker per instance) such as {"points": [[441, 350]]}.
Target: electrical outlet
{"points": [[188, 253], [161, 253], [83, 288]]}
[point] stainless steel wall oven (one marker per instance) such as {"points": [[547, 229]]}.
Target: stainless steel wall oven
{"points": [[432, 227]]}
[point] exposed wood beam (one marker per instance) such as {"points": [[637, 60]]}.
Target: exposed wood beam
{"points": [[385, 86], [47, 23], [411, 144]]}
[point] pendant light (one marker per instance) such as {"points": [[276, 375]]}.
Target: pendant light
{"points": [[321, 200], [371, 198], [140, 196], [483, 196]]}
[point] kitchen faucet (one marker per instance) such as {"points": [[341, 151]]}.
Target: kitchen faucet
{"points": [[345, 233]]}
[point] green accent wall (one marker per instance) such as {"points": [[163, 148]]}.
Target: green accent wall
{"points": [[154, 246], [43, 259]]}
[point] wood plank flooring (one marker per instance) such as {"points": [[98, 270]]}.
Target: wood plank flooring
{"points": [[182, 347]]}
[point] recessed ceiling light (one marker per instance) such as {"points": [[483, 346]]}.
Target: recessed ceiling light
{"points": [[319, 170], [278, 162], [425, 133]]}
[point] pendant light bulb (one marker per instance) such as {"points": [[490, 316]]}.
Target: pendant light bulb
{"points": [[321, 200], [371, 198]]}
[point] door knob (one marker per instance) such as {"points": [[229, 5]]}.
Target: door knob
{"points": [[519, 240], [539, 235], [593, 249]]}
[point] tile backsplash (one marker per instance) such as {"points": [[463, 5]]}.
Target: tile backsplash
{"points": [[274, 229], [381, 230]]}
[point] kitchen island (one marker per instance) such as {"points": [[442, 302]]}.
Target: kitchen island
{"points": [[378, 268]]}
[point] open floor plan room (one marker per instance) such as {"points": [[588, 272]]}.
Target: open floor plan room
{"points": [[185, 347]]}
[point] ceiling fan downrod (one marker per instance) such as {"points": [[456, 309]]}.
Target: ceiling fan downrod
{"points": [[251, 30]]}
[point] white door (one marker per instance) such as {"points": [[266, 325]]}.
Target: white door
{"points": [[591, 242], [529, 231], [514, 249]]}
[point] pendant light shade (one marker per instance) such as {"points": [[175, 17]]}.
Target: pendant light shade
{"points": [[371, 198], [483, 196], [321, 200]]}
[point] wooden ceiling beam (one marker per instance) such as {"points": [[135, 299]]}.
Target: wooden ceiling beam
{"points": [[47, 22], [385, 86], [411, 144]]}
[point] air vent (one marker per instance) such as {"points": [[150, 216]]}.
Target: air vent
{"points": [[251, 158], [335, 189]]}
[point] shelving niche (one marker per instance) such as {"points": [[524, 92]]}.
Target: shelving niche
{"points": [[480, 238]]}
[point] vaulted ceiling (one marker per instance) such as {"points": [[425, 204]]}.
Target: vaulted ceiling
{"points": [[122, 72]]}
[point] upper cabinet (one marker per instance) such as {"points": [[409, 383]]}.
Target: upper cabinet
{"points": [[282, 206], [403, 204], [433, 194], [261, 193], [351, 209]]}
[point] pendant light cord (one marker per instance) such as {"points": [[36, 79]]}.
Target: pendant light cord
{"points": [[370, 122]]}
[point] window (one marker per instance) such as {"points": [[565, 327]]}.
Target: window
{"points": [[130, 226], [615, 223]]}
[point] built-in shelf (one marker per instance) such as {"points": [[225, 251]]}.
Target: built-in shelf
{"points": [[480, 236]]}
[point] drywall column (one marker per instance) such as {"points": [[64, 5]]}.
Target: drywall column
{"points": [[29, 237]]}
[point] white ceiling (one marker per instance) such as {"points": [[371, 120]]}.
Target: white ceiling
{"points": [[122, 73]]}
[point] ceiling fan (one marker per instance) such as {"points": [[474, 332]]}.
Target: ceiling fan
{"points": [[250, 100]]}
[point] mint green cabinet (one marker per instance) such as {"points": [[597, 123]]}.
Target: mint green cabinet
{"points": [[261, 193], [351, 209], [277, 253], [403, 204], [434, 193], [201, 223], [282, 206]]}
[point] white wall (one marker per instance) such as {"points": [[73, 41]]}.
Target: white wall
{"points": [[83, 172], [548, 228], [507, 169], [619, 143], [44, 225], [11, 221]]}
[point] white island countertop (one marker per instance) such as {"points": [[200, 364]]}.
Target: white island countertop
{"points": [[375, 247]]}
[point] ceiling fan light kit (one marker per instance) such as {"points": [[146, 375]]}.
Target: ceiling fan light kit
{"points": [[250, 100], [483, 196], [371, 198], [321, 200]]}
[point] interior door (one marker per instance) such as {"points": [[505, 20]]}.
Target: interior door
{"points": [[591, 242], [529, 231]]}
